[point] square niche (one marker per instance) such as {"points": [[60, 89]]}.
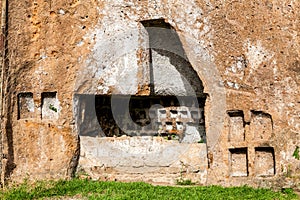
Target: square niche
{"points": [[264, 161], [261, 125], [239, 162], [236, 126], [50, 105], [25, 105]]}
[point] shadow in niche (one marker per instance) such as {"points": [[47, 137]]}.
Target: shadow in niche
{"points": [[164, 40], [142, 119], [100, 116]]}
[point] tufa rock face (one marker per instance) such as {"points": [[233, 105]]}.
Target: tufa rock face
{"points": [[240, 60]]}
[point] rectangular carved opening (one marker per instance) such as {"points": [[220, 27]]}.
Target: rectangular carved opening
{"points": [[50, 105], [236, 126], [183, 113], [239, 162], [261, 126], [264, 161], [173, 113], [140, 116], [25, 105], [195, 114]]}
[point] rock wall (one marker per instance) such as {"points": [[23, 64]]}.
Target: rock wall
{"points": [[245, 54], [150, 159]]}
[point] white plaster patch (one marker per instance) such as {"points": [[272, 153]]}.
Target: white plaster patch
{"points": [[29, 104], [61, 11], [193, 25], [43, 56], [163, 84], [256, 54], [237, 68], [191, 135], [113, 62], [232, 85], [80, 43]]}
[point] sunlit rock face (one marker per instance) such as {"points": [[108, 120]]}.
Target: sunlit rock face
{"points": [[152, 91]]}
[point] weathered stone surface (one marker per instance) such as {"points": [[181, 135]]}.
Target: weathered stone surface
{"points": [[245, 53], [143, 157]]}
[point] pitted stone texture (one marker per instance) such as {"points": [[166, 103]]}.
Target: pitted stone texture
{"points": [[246, 53], [143, 157]]}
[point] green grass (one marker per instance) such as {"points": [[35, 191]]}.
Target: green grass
{"points": [[87, 189]]}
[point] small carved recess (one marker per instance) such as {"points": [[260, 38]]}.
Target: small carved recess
{"points": [[25, 105], [50, 105], [239, 162], [264, 161]]}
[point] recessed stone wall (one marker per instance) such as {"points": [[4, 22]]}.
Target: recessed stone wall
{"points": [[261, 126], [25, 105], [156, 116], [239, 162], [237, 126], [50, 105], [264, 161]]}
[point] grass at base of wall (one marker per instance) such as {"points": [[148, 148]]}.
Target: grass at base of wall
{"points": [[88, 189]]}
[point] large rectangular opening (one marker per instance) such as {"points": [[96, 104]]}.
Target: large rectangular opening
{"points": [[176, 118], [149, 116]]}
